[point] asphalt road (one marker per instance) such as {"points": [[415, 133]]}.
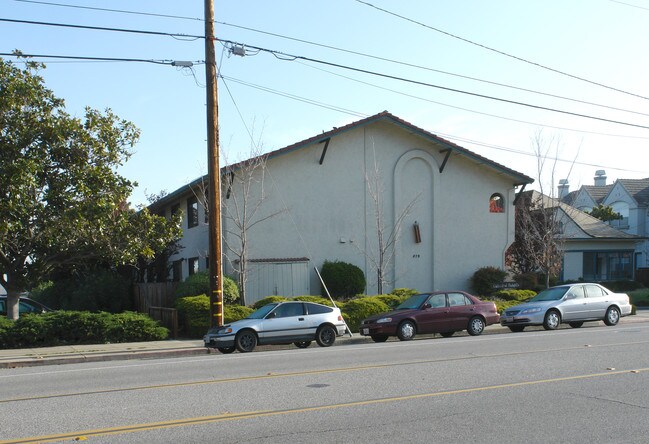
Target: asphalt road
{"points": [[573, 385]]}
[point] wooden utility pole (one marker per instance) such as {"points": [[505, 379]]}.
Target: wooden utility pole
{"points": [[214, 173]]}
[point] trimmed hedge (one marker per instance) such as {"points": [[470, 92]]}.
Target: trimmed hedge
{"points": [[358, 309], [232, 313], [268, 300], [199, 283], [514, 295], [343, 280], [485, 279], [194, 314], [77, 327], [315, 299]]}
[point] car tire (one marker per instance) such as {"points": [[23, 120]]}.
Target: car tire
{"points": [[476, 326], [245, 341], [406, 331], [576, 324], [226, 350], [447, 334], [302, 344], [612, 316], [552, 320], [517, 328], [325, 336], [379, 338]]}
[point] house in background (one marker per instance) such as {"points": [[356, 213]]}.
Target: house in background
{"points": [[331, 197], [629, 198]]}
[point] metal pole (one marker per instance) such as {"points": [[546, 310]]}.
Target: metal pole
{"points": [[214, 176]]}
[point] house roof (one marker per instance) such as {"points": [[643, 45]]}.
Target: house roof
{"points": [[591, 226], [517, 178], [637, 188]]}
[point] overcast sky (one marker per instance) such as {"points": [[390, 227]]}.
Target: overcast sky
{"points": [[577, 71]]}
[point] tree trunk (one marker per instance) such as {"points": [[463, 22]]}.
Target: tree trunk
{"points": [[13, 298]]}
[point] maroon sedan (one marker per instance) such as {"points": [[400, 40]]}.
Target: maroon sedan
{"points": [[443, 312]]}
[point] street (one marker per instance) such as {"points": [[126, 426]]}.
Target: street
{"points": [[572, 385]]}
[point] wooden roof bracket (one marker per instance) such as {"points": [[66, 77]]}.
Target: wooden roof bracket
{"points": [[324, 150], [448, 152], [518, 195]]}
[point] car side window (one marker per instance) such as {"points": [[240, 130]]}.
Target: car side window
{"points": [[317, 309], [577, 292], [455, 299], [437, 300], [288, 310], [593, 291]]}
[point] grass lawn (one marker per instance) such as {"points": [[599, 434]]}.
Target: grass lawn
{"points": [[639, 297]]}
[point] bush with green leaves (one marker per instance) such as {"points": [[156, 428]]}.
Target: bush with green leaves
{"points": [[514, 295], [268, 300], [527, 281], [403, 293], [316, 299], [485, 279], [359, 308], [194, 315], [343, 280], [232, 313], [75, 327], [199, 283]]}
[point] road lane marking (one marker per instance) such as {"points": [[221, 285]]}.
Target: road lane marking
{"points": [[307, 373], [264, 413]]}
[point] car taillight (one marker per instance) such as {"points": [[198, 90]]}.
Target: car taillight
{"points": [[340, 318]]}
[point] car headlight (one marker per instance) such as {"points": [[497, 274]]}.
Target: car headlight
{"points": [[220, 330], [383, 320], [531, 310]]}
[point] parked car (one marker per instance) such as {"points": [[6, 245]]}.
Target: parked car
{"points": [[572, 304], [25, 305], [280, 323], [438, 312]]}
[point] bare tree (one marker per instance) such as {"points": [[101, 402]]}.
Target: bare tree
{"points": [[382, 255]]}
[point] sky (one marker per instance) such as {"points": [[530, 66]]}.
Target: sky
{"points": [[502, 78]]}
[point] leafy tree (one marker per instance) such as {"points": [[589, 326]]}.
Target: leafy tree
{"points": [[61, 201], [605, 213]]}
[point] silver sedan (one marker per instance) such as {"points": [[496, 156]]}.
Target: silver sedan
{"points": [[572, 304]]}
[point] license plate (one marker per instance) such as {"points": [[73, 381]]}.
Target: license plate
{"points": [[365, 331]]}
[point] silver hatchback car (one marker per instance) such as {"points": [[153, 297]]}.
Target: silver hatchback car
{"points": [[294, 322], [572, 304]]}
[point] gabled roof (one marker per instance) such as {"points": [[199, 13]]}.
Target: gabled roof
{"points": [[591, 226], [517, 178], [638, 189]]}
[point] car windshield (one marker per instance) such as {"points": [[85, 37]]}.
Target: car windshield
{"points": [[413, 302], [260, 313], [551, 294]]}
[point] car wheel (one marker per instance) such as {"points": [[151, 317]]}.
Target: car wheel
{"points": [[575, 324], [447, 334], [552, 320], [302, 344], [406, 331], [226, 350], [476, 326], [379, 338], [517, 328], [612, 316], [325, 336], [245, 341]]}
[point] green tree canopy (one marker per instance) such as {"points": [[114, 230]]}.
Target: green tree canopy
{"points": [[605, 213], [62, 202]]}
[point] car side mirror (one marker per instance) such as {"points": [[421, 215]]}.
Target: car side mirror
{"points": [[571, 296], [271, 315], [426, 306]]}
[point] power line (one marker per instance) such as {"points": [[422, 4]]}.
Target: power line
{"points": [[289, 57], [103, 59], [501, 52], [102, 28]]}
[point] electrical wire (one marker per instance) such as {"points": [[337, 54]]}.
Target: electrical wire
{"points": [[103, 59], [283, 56], [520, 59]]}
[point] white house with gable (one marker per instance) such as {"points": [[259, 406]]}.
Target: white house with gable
{"points": [[454, 209]]}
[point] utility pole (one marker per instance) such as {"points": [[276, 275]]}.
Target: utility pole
{"points": [[214, 173]]}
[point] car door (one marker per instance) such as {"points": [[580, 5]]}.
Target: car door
{"points": [[434, 317], [574, 307], [285, 322], [460, 311], [597, 301]]}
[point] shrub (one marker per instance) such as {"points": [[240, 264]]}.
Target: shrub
{"points": [[343, 280], [194, 313], [485, 279], [358, 309], [514, 295], [390, 300], [622, 286], [75, 327], [268, 300], [232, 313], [527, 281], [404, 293], [503, 305], [316, 299], [199, 283]]}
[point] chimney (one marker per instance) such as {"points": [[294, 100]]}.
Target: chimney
{"points": [[564, 188], [600, 178]]}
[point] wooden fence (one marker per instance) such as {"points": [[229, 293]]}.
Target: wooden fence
{"points": [[156, 299]]}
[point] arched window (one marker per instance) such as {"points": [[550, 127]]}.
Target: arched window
{"points": [[496, 203]]}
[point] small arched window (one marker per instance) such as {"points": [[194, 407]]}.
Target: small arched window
{"points": [[496, 203]]}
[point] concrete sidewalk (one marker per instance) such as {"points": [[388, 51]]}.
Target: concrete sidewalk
{"points": [[69, 354]]}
